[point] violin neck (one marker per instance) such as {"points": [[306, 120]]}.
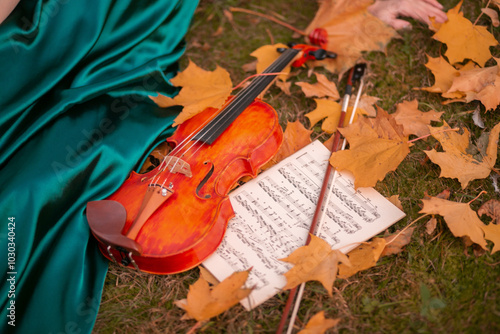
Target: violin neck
{"points": [[243, 99]]}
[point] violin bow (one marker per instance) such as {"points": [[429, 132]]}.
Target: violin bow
{"points": [[355, 74]]}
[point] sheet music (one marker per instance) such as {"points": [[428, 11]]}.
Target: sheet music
{"points": [[274, 212]]}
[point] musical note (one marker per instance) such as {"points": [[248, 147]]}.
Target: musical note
{"points": [[273, 213]]}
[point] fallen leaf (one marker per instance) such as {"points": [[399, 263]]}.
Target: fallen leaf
{"points": [[366, 105], [430, 227], [474, 79], [266, 55], [208, 276], [315, 262], [443, 73], [492, 233], [493, 16], [455, 162], [396, 242], [323, 88], [414, 121], [350, 30], [394, 199], [491, 209], [203, 302], [330, 111], [377, 146], [200, 90], [362, 257], [460, 218], [295, 137], [464, 39], [318, 324]]}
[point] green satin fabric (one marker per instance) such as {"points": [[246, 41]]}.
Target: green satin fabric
{"points": [[75, 119]]}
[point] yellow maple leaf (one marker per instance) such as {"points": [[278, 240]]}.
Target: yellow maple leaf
{"points": [[460, 218], [464, 39], [351, 29], [318, 324], [377, 146], [315, 262], [362, 257], [414, 121], [443, 73], [492, 233], [330, 111], [201, 89], [323, 88], [455, 162], [266, 55], [203, 302]]}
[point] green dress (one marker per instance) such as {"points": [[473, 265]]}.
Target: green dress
{"points": [[75, 120]]}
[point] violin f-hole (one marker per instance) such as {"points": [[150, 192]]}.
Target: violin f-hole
{"points": [[205, 179]]}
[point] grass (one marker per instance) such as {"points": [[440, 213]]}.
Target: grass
{"points": [[435, 285]]}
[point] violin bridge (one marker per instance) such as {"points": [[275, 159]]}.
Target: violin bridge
{"points": [[177, 165]]}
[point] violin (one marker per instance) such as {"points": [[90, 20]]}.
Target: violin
{"points": [[173, 217]]}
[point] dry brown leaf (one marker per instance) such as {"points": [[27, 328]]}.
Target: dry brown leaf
{"points": [[455, 162], [366, 105], [465, 40], [396, 241], [493, 16], [430, 227], [314, 262], [377, 146], [351, 30], [323, 88], [414, 121], [460, 218], [491, 209], [362, 257], [266, 55], [203, 302], [318, 324], [200, 89]]}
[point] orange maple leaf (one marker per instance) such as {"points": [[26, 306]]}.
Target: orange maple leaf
{"points": [[455, 162], [464, 39], [203, 302], [463, 221], [362, 257], [414, 121], [318, 324], [377, 146], [315, 262], [479, 84], [323, 88], [201, 89], [443, 73], [351, 29]]}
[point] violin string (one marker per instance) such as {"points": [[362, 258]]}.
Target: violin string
{"points": [[242, 97]]}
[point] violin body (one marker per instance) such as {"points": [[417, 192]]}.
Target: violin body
{"points": [[189, 226]]}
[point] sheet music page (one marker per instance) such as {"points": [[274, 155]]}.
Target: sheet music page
{"points": [[274, 212]]}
